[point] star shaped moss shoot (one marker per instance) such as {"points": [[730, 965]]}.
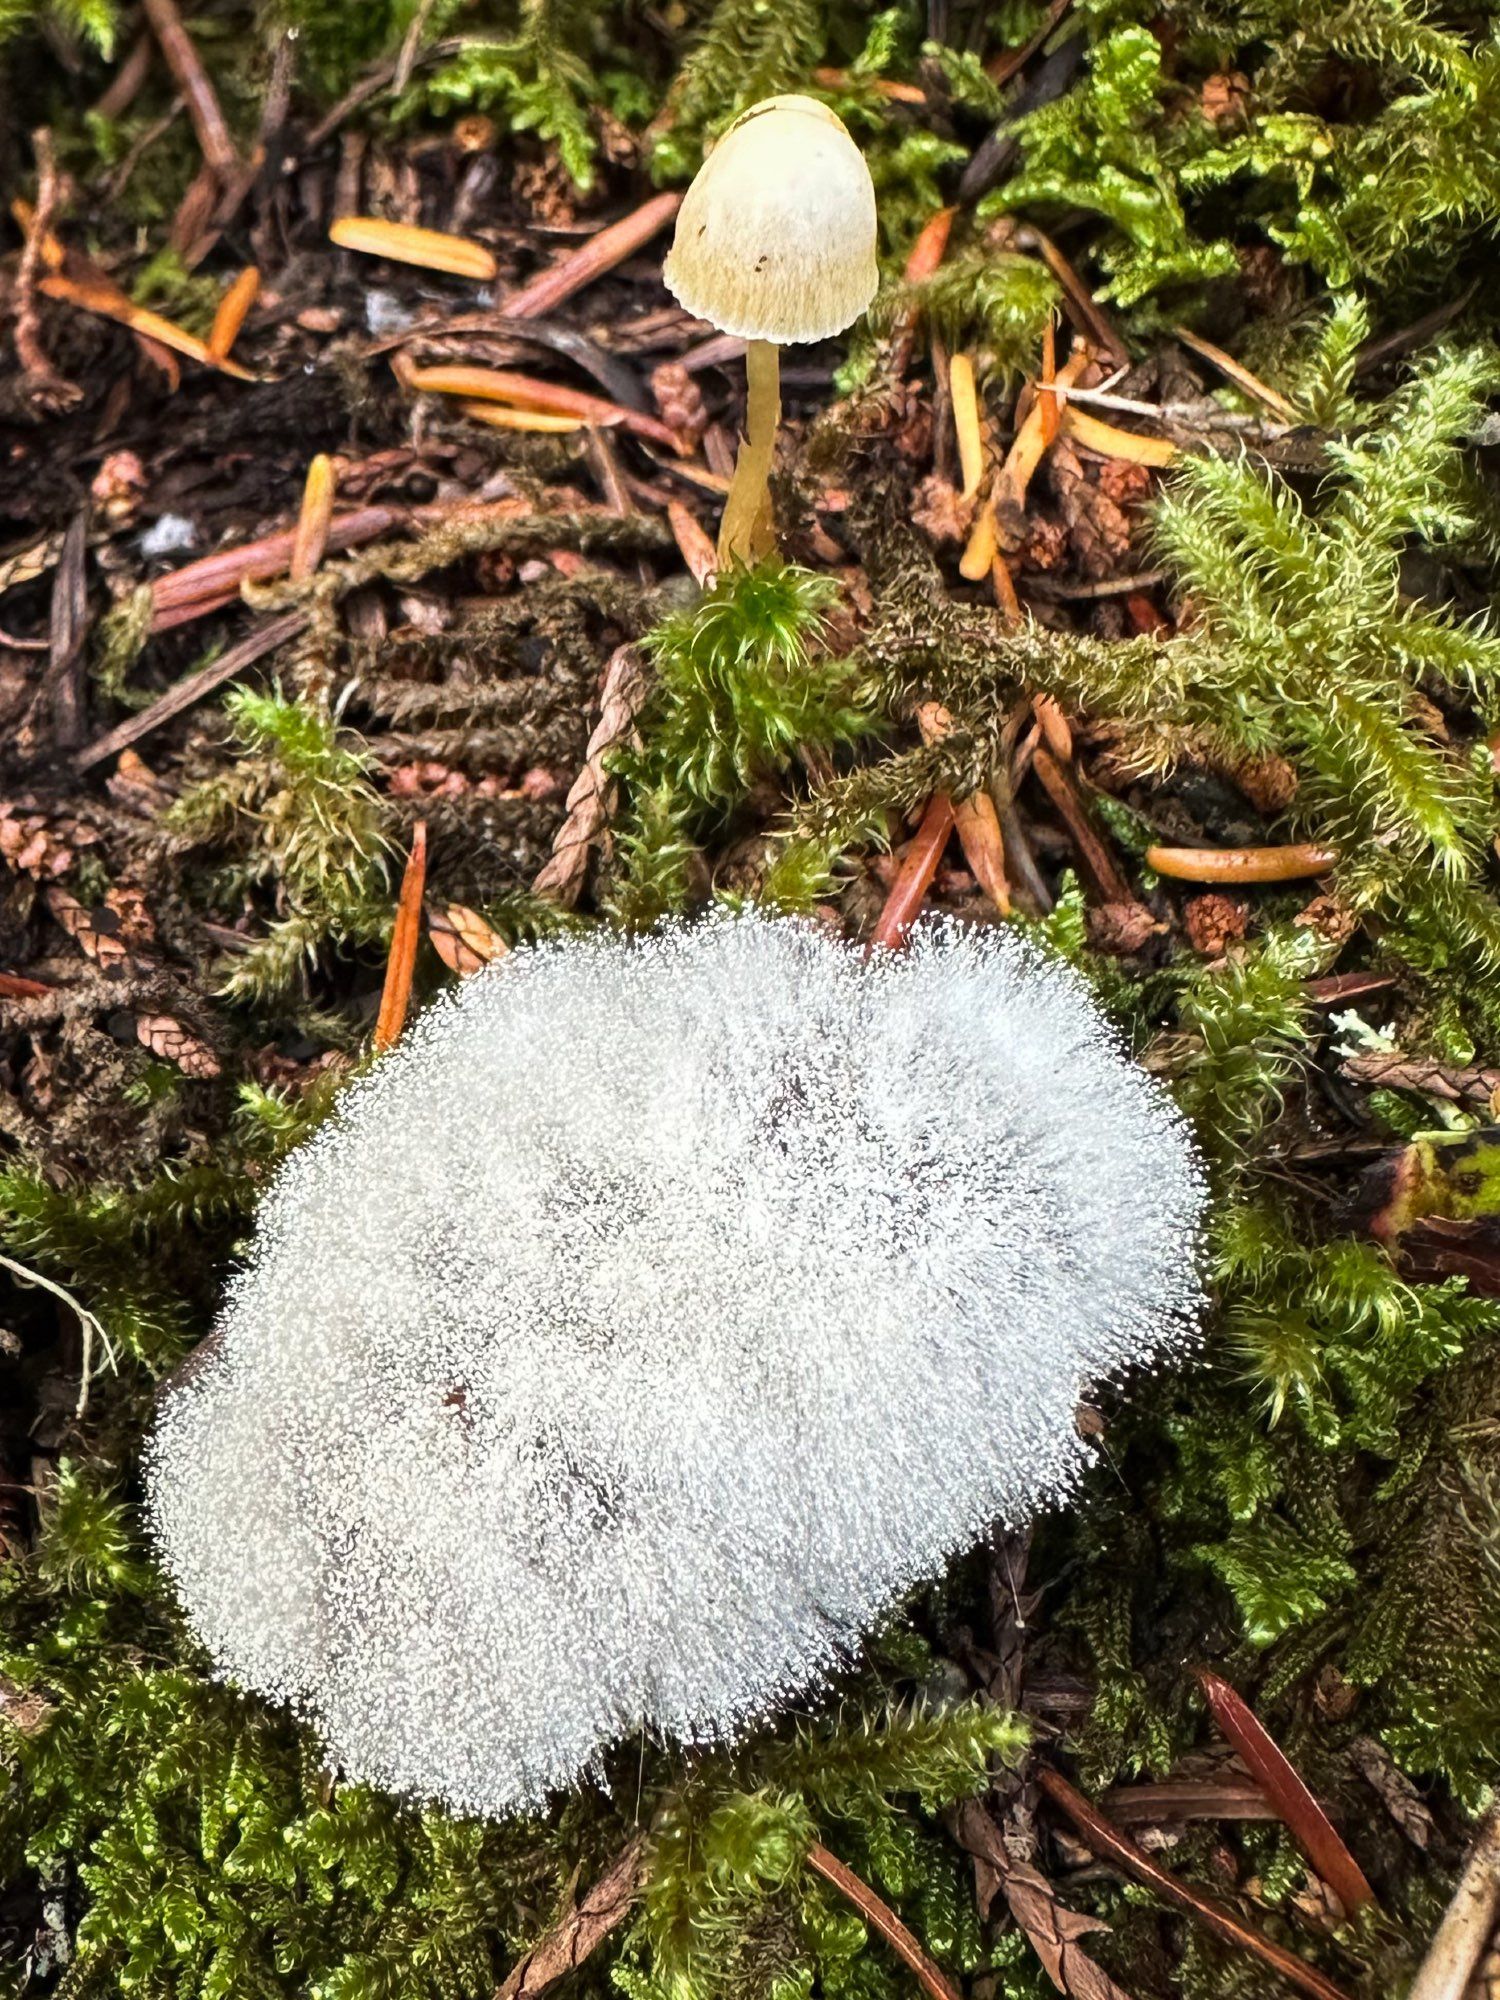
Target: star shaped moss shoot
{"points": [[652, 1317]]}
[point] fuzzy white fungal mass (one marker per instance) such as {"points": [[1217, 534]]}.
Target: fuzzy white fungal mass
{"points": [[651, 1318]]}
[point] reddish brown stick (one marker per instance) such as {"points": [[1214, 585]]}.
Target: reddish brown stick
{"points": [[1098, 862], [396, 997], [915, 879], [16, 986], [600, 254], [213, 581], [1303, 1817], [881, 1918], [1112, 1845], [184, 62]]}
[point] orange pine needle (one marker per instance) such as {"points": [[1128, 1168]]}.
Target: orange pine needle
{"points": [[396, 997], [965, 400], [1242, 864], [1047, 387], [1004, 586], [405, 243], [982, 548], [504, 385], [1008, 496], [110, 303], [311, 538], [233, 308], [975, 819], [500, 417], [904, 903], [927, 253], [1111, 442]]}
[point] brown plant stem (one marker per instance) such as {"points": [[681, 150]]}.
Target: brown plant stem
{"points": [[582, 1927], [1467, 1922], [186, 65], [43, 381]]}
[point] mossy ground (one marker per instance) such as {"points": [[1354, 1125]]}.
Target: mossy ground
{"points": [[1282, 639]]}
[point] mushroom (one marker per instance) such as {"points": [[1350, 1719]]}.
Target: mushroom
{"points": [[775, 242]]}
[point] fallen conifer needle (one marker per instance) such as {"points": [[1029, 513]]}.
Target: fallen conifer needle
{"points": [[976, 820], [528, 392], [1242, 864], [233, 307], [110, 303], [1280, 1783], [405, 243], [881, 1918], [965, 400], [694, 544], [500, 417], [1111, 1844], [1111, 442], [396, 997], [311, 537], [915, 878]]}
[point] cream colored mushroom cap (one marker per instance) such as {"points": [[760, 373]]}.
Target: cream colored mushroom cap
{"points": [[776, 237]]}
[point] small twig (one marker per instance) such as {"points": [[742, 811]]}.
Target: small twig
{"points": [[1109, 1842], [592, 794], [1467, 1922], [883, 1919], [186, 65], [395, 999], [915, 878], [192, 688], [1299, 1811], [1111, 586], [109, 302], [86, 1320], [43, 381], [125, 86], [1242, 864], [601, 253]]}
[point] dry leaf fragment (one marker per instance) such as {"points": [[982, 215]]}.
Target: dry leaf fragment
{"points": [[137, 925], [166, 1037], [463, 940], [405, 243]]}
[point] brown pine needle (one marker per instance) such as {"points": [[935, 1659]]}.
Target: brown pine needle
{"points": [[883, 1919], [1004, 586], [904, 903], [1008, 492], [1239, 375], [1111, 442], [1111, 1844], [405, 243], [233, 308], [311, 538], [965, 400], [694, 543], [396, 997], [529, 392], [975, 820], [1294, 1804], [500, 417], [1098, 862], [95, 296], [1242, 864]]}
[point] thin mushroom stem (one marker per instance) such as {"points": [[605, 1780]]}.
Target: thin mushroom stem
{"points": [[747, 531]]}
